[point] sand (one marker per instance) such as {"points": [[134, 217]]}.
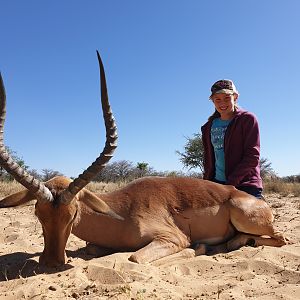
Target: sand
{"points": [[248, 273]]}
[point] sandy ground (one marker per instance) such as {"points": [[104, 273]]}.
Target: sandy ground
{"points": [[254, 273]]}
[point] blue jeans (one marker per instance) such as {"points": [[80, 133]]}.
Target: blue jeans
{"points": [[252, 190]]}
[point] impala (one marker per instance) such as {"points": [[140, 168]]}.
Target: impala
{"points": [[152, 217]]}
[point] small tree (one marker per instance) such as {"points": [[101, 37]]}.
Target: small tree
{"points": [[20, 161], [35, 174], [142, 169], [47, 174], [116, 171], [193, 154], [265, 168], [142, 166]]}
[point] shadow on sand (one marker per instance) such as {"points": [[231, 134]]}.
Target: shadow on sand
{"points": [[22, 265]]}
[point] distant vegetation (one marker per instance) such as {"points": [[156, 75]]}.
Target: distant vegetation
{"points": [[289, 185], [119, 173]]}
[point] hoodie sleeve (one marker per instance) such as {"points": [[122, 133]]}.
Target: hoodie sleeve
{"points": [[208, 155], [251, 150]]}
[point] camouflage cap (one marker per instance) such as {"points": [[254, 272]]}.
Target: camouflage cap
{"points": [[224, 86]]}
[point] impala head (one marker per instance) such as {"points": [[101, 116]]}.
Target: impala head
{"points": [[57, 220], [57, 199]]}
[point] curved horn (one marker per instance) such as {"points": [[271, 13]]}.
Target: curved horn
{"points": [[111, 143], [36, 187]]}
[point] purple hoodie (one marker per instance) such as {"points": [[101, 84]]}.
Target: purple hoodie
{"points": [[241, 148]]}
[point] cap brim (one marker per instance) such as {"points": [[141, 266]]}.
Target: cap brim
{"points": [[223, 91]]}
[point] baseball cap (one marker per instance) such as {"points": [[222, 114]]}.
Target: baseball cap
{"points": [[223, 86]]}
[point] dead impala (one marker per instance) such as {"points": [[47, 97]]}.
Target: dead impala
{"points": [[154, 216]]}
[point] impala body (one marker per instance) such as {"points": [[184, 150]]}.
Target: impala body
{"points": [[153, 216]]}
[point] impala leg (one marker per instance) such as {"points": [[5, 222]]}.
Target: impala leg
{"points": [[277, 240], [200, 249], [16, 199], [95, 250], [155, 250], [253, 219], [174, 258], [240, 240], [205, 249]]}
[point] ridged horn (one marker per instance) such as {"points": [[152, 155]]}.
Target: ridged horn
{"points": [[111, 143], [36, 187]]}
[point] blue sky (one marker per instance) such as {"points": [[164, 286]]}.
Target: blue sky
{"points": [[160, 57]]}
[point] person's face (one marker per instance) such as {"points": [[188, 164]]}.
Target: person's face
{"points": [[225, 104]]}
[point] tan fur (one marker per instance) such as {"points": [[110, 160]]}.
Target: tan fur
{"points": [[154, 217]]}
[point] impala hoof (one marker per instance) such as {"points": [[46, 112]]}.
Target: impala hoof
{"points": [[134, 258], [200, 249]]}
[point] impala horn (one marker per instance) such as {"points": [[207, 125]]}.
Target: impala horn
{"points": [[111, 143], [35, 186]]}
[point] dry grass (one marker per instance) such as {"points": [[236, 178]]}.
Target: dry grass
{"points": [[276, 186], [283, 188], [9, 187], [102, 187]]}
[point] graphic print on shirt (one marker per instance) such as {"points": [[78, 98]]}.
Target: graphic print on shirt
{"points": [[218, 130], [217, 133], [217, 137]]}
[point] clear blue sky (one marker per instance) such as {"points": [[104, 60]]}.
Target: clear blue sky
{"points": [[161, 58]]}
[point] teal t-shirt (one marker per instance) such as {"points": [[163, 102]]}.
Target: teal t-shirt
{"points": [[217, 134]]}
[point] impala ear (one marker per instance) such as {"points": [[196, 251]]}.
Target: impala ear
{"points": [[96, 204], [17, 199]]}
